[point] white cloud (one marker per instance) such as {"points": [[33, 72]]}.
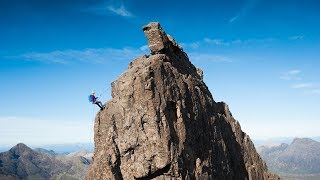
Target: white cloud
{"points": [[291, 75], [293, 72], [32, 131], [109, 7], [104, 55], [303, 85], [192, 45], [195, 45], [234, 18], [227, 43], [295, 76], [121, 11], [209, 57], [216, 41], [246, 8], [90, 55], [297, 37]]}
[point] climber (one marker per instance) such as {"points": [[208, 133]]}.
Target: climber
{"points": [[93, 99]]}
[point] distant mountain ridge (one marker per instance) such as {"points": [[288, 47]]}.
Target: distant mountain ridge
{"points": [[21, 162], [279, 140], [68, 147], [65, 148], [82, 153], [41, 150], [302, 156]]}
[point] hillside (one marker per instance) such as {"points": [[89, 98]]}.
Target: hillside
{"points": [[21, 162], [302, 156]]}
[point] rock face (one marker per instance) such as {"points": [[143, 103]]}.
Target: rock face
{"points": [[162, 123]]}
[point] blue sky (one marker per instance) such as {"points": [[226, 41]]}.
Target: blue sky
{"points": [[259, 56]]}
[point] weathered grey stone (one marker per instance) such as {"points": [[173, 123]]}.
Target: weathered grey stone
{"points": [[157, 38], [200, 73], [162, 123]]}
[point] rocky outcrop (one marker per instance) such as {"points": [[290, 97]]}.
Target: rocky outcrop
{"points": [[162, 123]]}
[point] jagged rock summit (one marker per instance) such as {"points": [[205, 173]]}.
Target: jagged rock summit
{"points": [[162, 123]]}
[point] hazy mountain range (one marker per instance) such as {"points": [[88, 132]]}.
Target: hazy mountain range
{"points": [[299, 158], [59, 148], [22, 162], [278, 140]]}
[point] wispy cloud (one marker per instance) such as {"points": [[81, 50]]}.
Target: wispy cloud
{"points": [[225, 43], [105, 55], [205, 41], [209, 57], [222, 42], [246, 8], [295, 71], [296, 37], [219, 42], [234, 18], [121, 11], [118, 8], [90, 55], [291, 75], [303, 85], [294, 76], [192, 45]]}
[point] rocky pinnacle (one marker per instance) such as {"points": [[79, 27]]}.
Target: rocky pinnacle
{"points": [[163, 123]]}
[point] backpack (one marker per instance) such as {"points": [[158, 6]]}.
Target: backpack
{"points": [[90, 98]]}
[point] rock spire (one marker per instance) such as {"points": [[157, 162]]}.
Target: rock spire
{"points": [[162, 123]]}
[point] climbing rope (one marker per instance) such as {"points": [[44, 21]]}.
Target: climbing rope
{"points": [[104, 91], [92, 127]]}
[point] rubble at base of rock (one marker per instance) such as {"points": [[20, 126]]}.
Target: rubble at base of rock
{"points": [[162, 123]]}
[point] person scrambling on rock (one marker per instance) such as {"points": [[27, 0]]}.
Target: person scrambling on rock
{"points": [[93, 99]]}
